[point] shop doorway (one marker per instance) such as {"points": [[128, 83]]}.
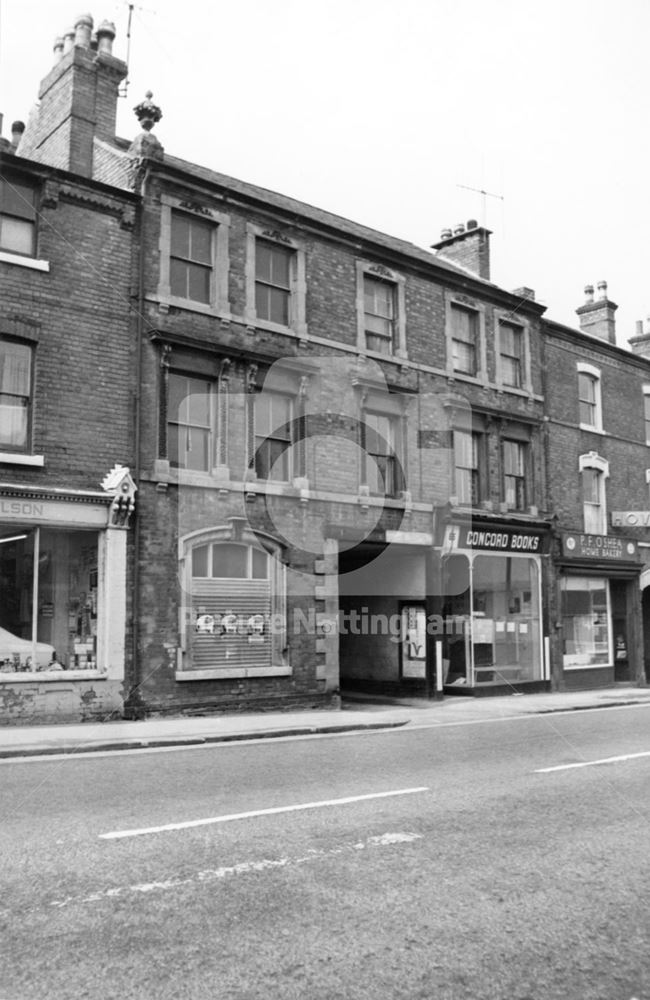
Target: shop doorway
{"points": [[645, 605]]}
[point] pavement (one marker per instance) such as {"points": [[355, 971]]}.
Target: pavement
{"points": [[358, 712]]}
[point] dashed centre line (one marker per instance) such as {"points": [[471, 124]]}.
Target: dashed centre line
{"points": [[592, 763], [243, 868], [189, 824]]}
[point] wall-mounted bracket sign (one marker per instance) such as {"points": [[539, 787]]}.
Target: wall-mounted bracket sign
{"points": [[609, 548], [631, 518]]}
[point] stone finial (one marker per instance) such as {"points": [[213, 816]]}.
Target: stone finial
{"points": [[148, 113]]}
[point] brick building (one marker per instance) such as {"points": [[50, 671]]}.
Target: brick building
{"points": [[346, 447], [66, 437], [597, 399]]}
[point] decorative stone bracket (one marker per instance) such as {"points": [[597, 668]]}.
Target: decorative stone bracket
{"points": [[120, 484]]}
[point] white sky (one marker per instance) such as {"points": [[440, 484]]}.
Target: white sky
{"points": [[378, 109]]}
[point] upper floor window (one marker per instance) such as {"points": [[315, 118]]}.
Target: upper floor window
{"points": [[191, 258], [381, 472], [17, 217], [464, 340], [589, 397], [511, 354], [379, 314], [514, 474], [273, 265], [467, 467], [594, 472], [275, 281], [15, 394], [273, 415], [646, 412], [190, 420]]}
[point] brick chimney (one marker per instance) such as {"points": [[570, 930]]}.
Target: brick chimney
{"points": [[640, 344], [597, 317], [78, 99], [468, 246]]}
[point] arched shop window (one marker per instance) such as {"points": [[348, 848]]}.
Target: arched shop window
{"points": [[235, 618]]}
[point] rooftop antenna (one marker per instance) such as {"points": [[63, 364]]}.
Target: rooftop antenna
{"points": [[125, 86], [484, 195]]}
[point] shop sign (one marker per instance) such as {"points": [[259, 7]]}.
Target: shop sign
{"points": [[487, 539], [53, 512], [608, 548], [631, 518]]}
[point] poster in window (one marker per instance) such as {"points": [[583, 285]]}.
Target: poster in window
{"points": [[414, 641]]}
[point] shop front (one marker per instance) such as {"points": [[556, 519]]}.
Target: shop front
{"points": [[600, 610], [492, 622], [63, 571]]}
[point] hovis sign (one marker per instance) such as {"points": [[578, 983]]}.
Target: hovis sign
{"points": [[631, 518]]}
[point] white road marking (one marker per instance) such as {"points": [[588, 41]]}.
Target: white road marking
{"points": [[188, 824], [243, 868], [592, 763]]}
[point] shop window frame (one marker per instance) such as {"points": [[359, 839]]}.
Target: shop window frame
{"points": [[609, 622]]}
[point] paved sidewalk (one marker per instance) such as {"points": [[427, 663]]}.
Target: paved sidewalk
{"points": [[358, 713]]}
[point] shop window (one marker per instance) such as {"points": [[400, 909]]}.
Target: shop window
{"points": [[15, 395], [380, 452], [468, 467], [48, 599], [191, 258], [464, 340], [586, 625], [514, 474], [17, 217], [589, 397], [190, 422], [492, 616], [273, 416], [511, 354]]}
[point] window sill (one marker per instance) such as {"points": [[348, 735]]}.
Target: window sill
{"points": [[229, 673], [36, 676], [166, 302], [30, 262], [296, 330], [15, 458], [478, 379], [590, 666], [591, 429]]}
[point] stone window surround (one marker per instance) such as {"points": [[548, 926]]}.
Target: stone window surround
{"points": [[375, 399], [465, 302], [297, 305], [582, 367], [503, 316], [219, 304], [382, 273]]}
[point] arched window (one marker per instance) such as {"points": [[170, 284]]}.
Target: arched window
{"points": [[594, 472]]}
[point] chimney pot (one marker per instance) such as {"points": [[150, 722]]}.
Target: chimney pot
{"points": [[68, 40], [83, 30], [459, 228], [472, 224], [445, 234], [602, 289], [589, 293], [58, 49], [106, 37], [17, 129], [639, 328]]}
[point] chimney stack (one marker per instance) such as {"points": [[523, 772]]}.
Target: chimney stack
{"points": [[77, 99], [640, 344], [468, 246], [597, 316]]}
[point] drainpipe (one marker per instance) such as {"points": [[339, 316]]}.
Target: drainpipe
{"points": [[134, 706]]}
